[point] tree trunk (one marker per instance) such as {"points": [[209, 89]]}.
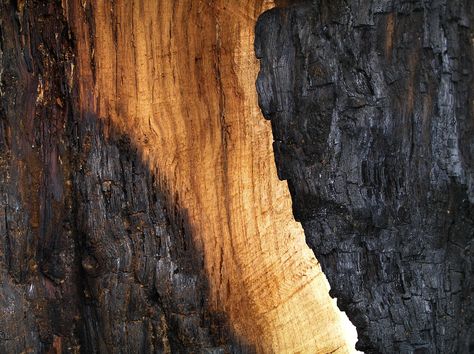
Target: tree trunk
{"points": [[372, 110], [140, 208]]}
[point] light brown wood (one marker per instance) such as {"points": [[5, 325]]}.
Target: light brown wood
{"points": [[178, 77]]}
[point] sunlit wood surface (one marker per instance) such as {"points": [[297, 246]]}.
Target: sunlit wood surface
{"points": [[179, 78]]}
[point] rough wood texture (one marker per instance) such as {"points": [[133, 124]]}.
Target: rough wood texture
{"points": [[140, 209], [178, 79], [35, 222], [93, 259], [372, 110]]}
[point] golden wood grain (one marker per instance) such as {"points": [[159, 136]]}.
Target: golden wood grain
{"points": [[178, 77]]}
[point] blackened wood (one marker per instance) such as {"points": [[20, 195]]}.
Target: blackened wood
{"points": [[371, 104]]}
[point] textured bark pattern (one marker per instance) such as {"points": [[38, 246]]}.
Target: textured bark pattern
{"points": [[371, 105], [92, 256], [144, 284], [36, 222]]}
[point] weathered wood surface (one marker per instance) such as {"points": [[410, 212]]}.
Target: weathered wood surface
{"points": [[372, 110], [179, 79], [140, 208], [94, 258]]}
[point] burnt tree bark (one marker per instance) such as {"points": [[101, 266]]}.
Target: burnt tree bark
{"points": [[94, 254], [372, 111]]}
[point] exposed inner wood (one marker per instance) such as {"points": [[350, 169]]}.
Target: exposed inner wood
{"points": [[178, 77]]}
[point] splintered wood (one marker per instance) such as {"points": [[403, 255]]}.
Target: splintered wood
{"points": [[178, 77]]}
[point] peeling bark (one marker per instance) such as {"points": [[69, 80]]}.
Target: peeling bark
{"points": [[371, 105]]}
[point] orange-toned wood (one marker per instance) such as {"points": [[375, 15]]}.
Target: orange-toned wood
{"points": [[178, 77]]}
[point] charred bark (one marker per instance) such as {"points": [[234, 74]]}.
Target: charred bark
{"points": [[371, 105]]}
